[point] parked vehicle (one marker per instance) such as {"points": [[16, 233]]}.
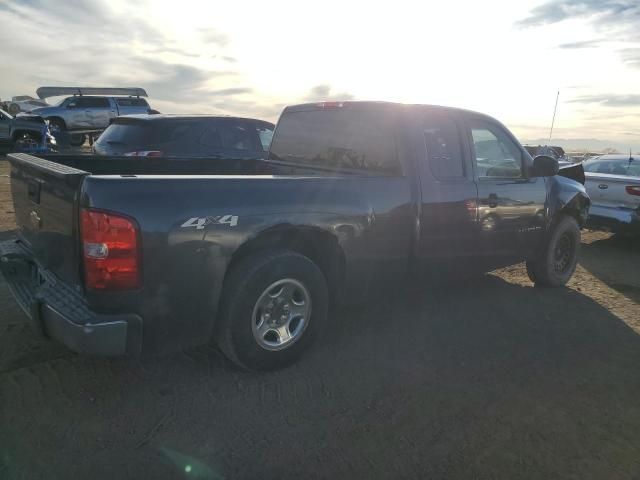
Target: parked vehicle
{"points": [[26, 133], [89, 109], [185, 136], [127, 255], [613, 183], [24, 103]]}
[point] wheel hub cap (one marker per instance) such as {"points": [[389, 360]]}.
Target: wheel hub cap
{"points": [[281, 314]]}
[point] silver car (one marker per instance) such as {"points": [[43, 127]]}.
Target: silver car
{"points": [[613, 184]]}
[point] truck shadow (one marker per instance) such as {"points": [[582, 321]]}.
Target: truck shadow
{"points": [[485, 379], [615, 261]]}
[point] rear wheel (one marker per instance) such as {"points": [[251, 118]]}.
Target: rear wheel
{"points": [[554, 265], [26, 142], [274, 304]]}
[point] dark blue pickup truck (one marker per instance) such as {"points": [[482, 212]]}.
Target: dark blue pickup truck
{"points": [[122, 255]]}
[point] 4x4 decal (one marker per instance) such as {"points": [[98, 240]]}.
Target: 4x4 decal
{"points": [[200, 222]]}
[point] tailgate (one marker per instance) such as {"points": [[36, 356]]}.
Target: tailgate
{"points": [[45, 198]]}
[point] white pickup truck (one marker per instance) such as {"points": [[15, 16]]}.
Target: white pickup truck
{"points": [[613, 184]]}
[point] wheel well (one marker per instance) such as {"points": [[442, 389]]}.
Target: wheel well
{"points": [[17, 133], [578, 209], [57, 119], [318, 245]]}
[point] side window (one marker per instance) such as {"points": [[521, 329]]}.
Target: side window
{"points": [[496, 155], [444, 151], [131, 102], [90, 102], [265, 134]]}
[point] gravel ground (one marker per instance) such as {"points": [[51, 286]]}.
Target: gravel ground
{"points": [[490, 379]]}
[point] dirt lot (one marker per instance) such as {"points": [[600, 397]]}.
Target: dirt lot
{"points": [[490, 379]]}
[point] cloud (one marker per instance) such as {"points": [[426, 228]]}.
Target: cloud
{"points": [[323, 92], [231, 91], [605, 12], [215, 37], [610, 100], [582, 44], [631, 56]]}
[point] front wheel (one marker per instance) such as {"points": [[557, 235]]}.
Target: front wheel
{"points": [[555, 263], [274, 304]]}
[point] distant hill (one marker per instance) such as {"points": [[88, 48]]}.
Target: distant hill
{"points": [[583, 144]]}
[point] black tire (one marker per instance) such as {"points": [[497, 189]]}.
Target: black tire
{"points": [[245, 285], [25, 142], [554, 265], [57, 125]]}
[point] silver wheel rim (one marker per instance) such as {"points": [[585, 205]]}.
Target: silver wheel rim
{"points": [[281, 314]]}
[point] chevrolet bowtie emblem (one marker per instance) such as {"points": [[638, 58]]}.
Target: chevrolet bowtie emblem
{"points": [[36, 221]]}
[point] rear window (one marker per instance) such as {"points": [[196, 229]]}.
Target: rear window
{"points": [[228, 135], [614, 167], [345, 138], [132, 102], [126, 134]]}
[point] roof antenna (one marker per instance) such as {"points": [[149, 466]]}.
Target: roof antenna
{"points": [[554, 116]]}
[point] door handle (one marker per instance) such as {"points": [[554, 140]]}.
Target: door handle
{"points": [[493, 200], [603, 186]]}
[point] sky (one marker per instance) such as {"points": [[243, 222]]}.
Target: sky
{"points": [[504, 58]]}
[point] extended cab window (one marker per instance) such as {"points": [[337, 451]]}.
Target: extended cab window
{"points": [[496, 155], [444, 150], [338, 139]]}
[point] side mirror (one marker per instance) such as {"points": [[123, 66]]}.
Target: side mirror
{"points": [[544, 166], [72, 105]]}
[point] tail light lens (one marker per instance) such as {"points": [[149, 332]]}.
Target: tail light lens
{"points": [[633, 190], [110, 251], [144, 153]]}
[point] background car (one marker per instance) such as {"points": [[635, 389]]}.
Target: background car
{"points": [[24, 103], [613, 183], [186, 136]]}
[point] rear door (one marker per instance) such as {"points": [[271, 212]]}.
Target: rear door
{"points": [[511, 206], [448, 223], [100, 111]]}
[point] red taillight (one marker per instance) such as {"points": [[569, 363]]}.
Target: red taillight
{"points": [[327, 105], [144, 153], [633, 190], [110, 251]]}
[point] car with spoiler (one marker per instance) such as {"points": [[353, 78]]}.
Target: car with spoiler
{"points": [[89, 110], [138, 255]]}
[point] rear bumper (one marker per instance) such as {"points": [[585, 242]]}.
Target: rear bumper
{"points": [[56, 310], [615, 219]]}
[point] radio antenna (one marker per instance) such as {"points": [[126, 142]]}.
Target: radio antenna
{"points": [[554, 116]]}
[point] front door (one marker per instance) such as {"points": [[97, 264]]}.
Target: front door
{"points": [[511, 205]]}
